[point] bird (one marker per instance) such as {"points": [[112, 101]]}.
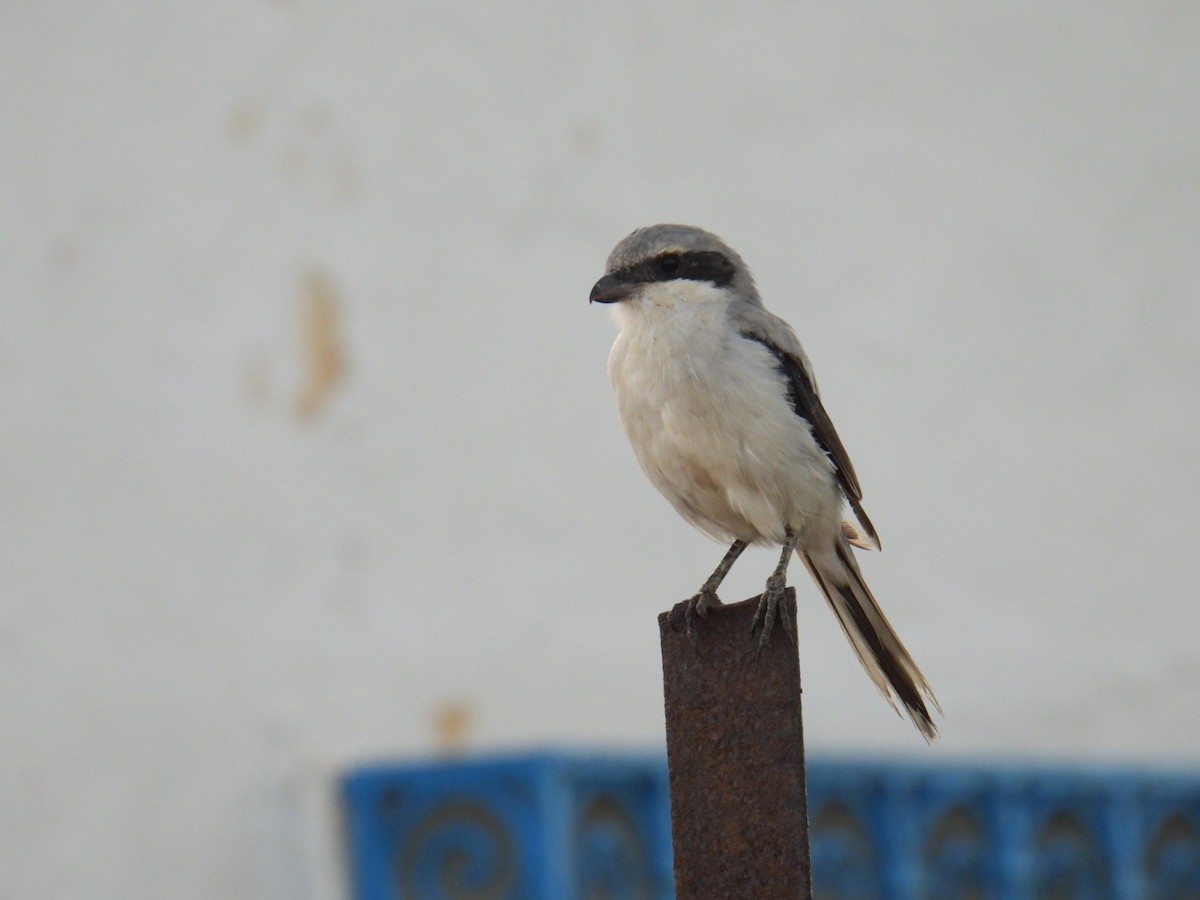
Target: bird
{"points": [[720, 405]]}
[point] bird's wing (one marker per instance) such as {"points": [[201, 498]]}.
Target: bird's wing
{"points": [[756, 324]]}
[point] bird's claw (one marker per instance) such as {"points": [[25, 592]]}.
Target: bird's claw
{"points": [[695, 606], [770, 608]]}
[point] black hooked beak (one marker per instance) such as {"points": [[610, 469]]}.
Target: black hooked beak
{"points": [[611, 289]]}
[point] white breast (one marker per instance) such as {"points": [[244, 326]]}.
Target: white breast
{"points": [[707, 413]]}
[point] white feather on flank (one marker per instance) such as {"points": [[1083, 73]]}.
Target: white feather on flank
{"points": [[856, 537]]}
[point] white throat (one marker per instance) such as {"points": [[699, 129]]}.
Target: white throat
{"points": [[674, 304]]}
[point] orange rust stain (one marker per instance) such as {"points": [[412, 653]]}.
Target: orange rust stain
{"points": [[452, 724], [324, 355]]}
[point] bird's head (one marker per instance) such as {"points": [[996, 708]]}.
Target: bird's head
{"points": [[672, 265]]}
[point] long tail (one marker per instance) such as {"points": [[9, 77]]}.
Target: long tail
{"points": [[872, 636]]}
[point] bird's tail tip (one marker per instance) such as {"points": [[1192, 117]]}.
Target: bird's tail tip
{"points": [[879, 648]]}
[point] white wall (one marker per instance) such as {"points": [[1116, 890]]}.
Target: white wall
{"points": [[306, 440]]}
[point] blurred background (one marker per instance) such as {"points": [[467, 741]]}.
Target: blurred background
{"points": [[308, 455]]}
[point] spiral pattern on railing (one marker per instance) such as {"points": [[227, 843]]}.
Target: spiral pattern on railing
{"points": [[613, 859], [1171, 860], [1068, 861], [844, 864], [955, 855], [459, 850]]}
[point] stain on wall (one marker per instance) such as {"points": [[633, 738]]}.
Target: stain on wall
{"points": [[452, 722], [323, 353]]}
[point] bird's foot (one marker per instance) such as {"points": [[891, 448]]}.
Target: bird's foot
{"points": [[770, 607], [689, 610]]}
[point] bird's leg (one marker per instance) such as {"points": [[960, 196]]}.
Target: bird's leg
{"points": [[768, 604], [707, 596], [708, 591]]}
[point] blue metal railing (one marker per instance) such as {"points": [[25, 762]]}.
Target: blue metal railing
{"points": [[563, 826]]}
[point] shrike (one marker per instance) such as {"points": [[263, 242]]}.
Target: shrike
{"points": [[720, 404]]}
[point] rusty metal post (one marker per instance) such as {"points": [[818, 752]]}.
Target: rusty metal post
{"points": [[735, 749]]}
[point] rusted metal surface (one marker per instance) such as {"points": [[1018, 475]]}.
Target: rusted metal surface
{"points": [[735, 748]]}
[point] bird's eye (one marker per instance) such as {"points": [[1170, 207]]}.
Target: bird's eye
{"points": [[668, 263]]}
